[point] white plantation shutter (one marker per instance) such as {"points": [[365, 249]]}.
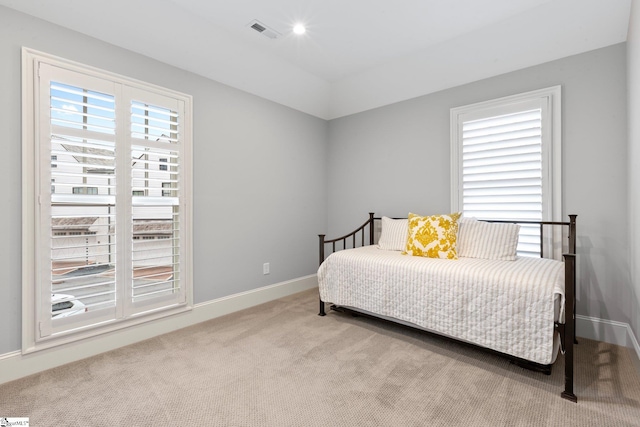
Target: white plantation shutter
{"points": [[78, 225], [502, 162], [156, 133], [502, 171], [112, 232]]}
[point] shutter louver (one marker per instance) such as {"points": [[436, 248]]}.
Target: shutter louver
{"points": [[155, 181], [83, 190], [502, 172]]}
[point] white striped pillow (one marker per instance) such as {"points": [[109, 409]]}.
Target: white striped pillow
{"points": [[393, 236], [487, 240]]}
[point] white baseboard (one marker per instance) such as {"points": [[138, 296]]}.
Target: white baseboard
{"points": [[607, 331], [15, 365]]}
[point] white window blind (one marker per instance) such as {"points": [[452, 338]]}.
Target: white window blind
{"points": [[82, 223], [503, 160], [110, 227], [155, 217]]}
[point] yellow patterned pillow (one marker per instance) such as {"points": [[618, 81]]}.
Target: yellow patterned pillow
{"points": [[433, 236]]}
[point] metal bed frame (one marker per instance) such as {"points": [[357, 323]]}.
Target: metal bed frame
{"points": [[358, 237]]}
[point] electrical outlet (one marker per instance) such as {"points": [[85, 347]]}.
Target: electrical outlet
{"points": [[265, 268]]}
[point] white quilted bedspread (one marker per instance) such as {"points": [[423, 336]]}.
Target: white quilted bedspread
{"points": [[507, 306]]}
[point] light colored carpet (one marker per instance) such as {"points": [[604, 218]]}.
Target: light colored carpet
{"points": [[280, 364]]}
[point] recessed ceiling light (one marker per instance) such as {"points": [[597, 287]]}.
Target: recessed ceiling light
{"points": [[299, 29]]}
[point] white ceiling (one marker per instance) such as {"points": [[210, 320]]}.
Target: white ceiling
{"points": [[356, 54]]}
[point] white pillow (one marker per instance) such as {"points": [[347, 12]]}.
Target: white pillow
{"points": [[487, 240], [393, 236]]}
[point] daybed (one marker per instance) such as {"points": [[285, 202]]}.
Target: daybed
{"points": [[487, 296]]}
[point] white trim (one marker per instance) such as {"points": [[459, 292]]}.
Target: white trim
{"points": [[608, 331], [14, 365], [39, 333], [553, 116], [30, 128], [634, 341], [9, 356]]}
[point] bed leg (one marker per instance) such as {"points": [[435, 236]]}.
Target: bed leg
{"points": [[568, 372], [322, 312], [569, 327]]}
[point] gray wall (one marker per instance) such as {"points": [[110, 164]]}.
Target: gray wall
{"points": [[259, 171], [395, 159], [633, 73], [268, 178]]}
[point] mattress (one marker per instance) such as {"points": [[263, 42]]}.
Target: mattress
{"points": [[506, 306]]}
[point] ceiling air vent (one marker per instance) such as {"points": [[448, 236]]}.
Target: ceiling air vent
{"points": [[263, 29]]}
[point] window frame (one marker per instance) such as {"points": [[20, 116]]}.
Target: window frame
{"points": [[32, 226], [550, 100]]}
